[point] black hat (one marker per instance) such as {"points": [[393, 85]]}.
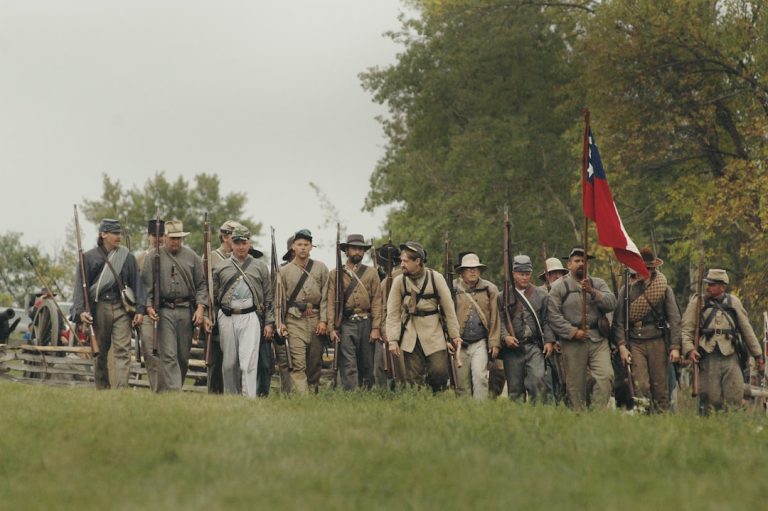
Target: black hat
{"points": [[388, 252], [577, 251], [153, 228], [110, 225], [255, 253], [287, 255], [354, 240]]}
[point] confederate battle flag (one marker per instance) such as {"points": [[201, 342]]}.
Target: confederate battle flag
{"points": [[600, 208]]}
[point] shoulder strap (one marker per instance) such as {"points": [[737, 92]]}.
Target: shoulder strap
{"points": [[119, 280], [182, 271], [245, 278], [569, 291], [356, 279], [533, 312], [300, 283]]}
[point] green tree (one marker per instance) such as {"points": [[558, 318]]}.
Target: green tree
{"points": [[179, 199], [17, 278], [475, 124]]}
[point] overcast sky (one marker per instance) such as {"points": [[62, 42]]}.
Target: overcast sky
{"points": [[263, 93]]}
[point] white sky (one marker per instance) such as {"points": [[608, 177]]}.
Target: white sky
{"points": [[263, 93]]}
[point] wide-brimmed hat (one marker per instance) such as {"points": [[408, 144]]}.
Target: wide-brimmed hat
{"points": [[716, 276], [414, 247], [110, 225], [577, 251], [153, 228], [287, 255], [649, 258], [354, 240], [550, 265], [470, 260], [175, 229]]}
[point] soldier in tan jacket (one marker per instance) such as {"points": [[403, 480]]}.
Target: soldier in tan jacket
{"points": [[360, 326], [723, 320], [418, 302], [477, 311]]}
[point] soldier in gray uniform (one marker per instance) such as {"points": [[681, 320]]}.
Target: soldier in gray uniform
{"points": [[215, 381], [583, 349], [151, 361], [112, 315], [361, 315], [243, 296], [654, 332], [182, 301], [531, 340], [724, 325]]}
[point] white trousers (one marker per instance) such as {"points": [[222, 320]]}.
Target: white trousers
{"points": [[239, 335]]}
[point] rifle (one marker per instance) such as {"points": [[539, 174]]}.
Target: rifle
{"points": [[697, 330], [338, 302], [455, 358], [763, 381], [156, 283], [279, 296], [45, 285], [209, 279], [506, 295], [630, 383], [374, 262], [136, 329], [389, 358], [84, 281]]}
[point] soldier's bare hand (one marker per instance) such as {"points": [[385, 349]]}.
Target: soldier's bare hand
{"points": [[269, 332], [152, 313], [511, 341], [322, 328], [549, 349], [198, 316], [394, 349], [760, 363], [207, 325], [586, 285], [86, 318], [451, 348], [283, 330], [674, 356], [375, 335], [495, 352], [581, 335], [694, 356], [137, 319], [626, 356], [335, 336]]}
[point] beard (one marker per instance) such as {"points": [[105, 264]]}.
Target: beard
{"points": [[355, 259], [579, 273]]}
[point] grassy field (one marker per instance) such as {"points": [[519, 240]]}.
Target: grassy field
{"points": [[81, 449]]}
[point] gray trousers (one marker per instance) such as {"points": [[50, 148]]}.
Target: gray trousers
{"points": [[649, 371], [721, 382], [473, 373], [587, 357], [151, 362], [524, 372], [431, 370], [112, 327], [175, 333], [356, 354]]}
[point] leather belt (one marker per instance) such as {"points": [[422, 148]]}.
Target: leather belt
{"points": [[173, 304], [422, 314], [229, 312]]}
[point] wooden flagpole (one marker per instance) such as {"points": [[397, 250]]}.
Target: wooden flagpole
{"points": [[585, 236]]}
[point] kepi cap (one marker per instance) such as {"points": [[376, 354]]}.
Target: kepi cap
{"points": [[414, 247], [110, 225], [716, 276], [522, 264]]}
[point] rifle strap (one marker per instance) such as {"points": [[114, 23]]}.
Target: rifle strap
{"points": [[300, 283], [474, 302], [118, 279], [234, 278], [532, 312], [356, 279]]}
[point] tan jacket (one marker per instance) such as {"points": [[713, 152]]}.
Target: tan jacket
{"points": [[427, 329], [364, 298], [314, 291], [719, 322], [485, 294]]}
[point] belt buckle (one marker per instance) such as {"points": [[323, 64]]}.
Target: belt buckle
{"points": [[237, 311]]}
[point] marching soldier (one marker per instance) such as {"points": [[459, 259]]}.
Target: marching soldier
{"points": [[243, 295], [385, 255], [654, 332], [583, 349], [417, 303], [182, 303], [215, 378], [725, 329], [115, 291], [477, 311], [361, 317], [531, 340], [151, 361], [553, 270], [306, 283]]}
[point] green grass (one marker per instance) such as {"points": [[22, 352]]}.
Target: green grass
{"points": [[82, 449]]}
